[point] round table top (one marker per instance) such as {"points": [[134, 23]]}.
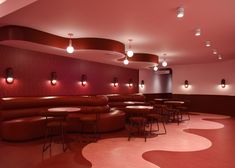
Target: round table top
{"points": [[133, 102], [64, 109], [140, 107], [160, 99], [174, 102]]}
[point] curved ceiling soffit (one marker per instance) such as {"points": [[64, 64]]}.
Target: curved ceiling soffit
{"points": [[20, 33], [12, 32], [142, 57]]}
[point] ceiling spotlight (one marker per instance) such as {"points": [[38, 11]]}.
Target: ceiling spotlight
{"points": [[129, 53], [164, 63], [198, 32], [180, 12], [2, 1], [220, 57], [155, 68], [70, 48], [126, 62], [208, 43], [215, 52]]}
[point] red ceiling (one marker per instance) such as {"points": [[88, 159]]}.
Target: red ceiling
{"points": [[151, 24]]}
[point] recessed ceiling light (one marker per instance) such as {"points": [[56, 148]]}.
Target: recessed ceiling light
{"points": [[220, 57], [198, 32], [2, 1], [180, 12], [215, 51], [208, 43]]}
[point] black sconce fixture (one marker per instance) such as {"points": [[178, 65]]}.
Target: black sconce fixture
{"points": [[9, 76], [130, 83], [142, 84], [115, 81], [223, 83], [53, 78], [186, 84], [83, 80]]}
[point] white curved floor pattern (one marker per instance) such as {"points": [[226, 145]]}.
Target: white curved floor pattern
{"points": [[119, 152]]}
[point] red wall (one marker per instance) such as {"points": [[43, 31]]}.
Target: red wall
{"points": [[32, 74]]}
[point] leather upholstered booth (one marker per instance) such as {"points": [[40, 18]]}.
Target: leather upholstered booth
{"points": [[21, 118]]}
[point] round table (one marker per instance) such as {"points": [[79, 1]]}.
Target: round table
{"points": [[176, 112], [138, 110], [174, 102], [70, 112], [133, 103], [140, 107], [160, 99], [137, 117], [64, 109]]}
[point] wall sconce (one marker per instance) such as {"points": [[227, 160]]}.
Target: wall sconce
{"points": [[9, 76], [83, 80], [142, 84], [53, 78], [186, 84], [115, 82], [180, 12], [130, 83], [223, 83]]}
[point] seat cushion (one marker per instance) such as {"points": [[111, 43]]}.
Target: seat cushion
{"points": [[24, 128]]}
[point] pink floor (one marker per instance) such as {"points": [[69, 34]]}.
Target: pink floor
{"points": [[194, 143]]}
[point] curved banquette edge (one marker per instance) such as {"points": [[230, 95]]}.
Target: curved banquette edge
{"points": [[22, 118]]}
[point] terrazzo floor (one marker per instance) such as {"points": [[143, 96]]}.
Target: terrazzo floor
{"points": [[206, 141]]}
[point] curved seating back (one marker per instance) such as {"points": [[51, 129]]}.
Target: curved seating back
{"points": [[22, 118], [17, 107]]}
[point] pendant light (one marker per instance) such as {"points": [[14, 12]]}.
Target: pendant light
{"points": [[129, 53], [126, 62], [155, 68], [164, 63], [70, 48]]}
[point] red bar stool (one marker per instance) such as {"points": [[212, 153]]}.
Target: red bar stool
{"points": [[55, 126], [89, 125]]}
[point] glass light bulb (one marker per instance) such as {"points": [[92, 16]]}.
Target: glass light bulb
{"points": [[70, 49], [10, 79], [53, 81], [164, 63], [83, 83], [130, 53], [155, 68], [126, 62]]}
